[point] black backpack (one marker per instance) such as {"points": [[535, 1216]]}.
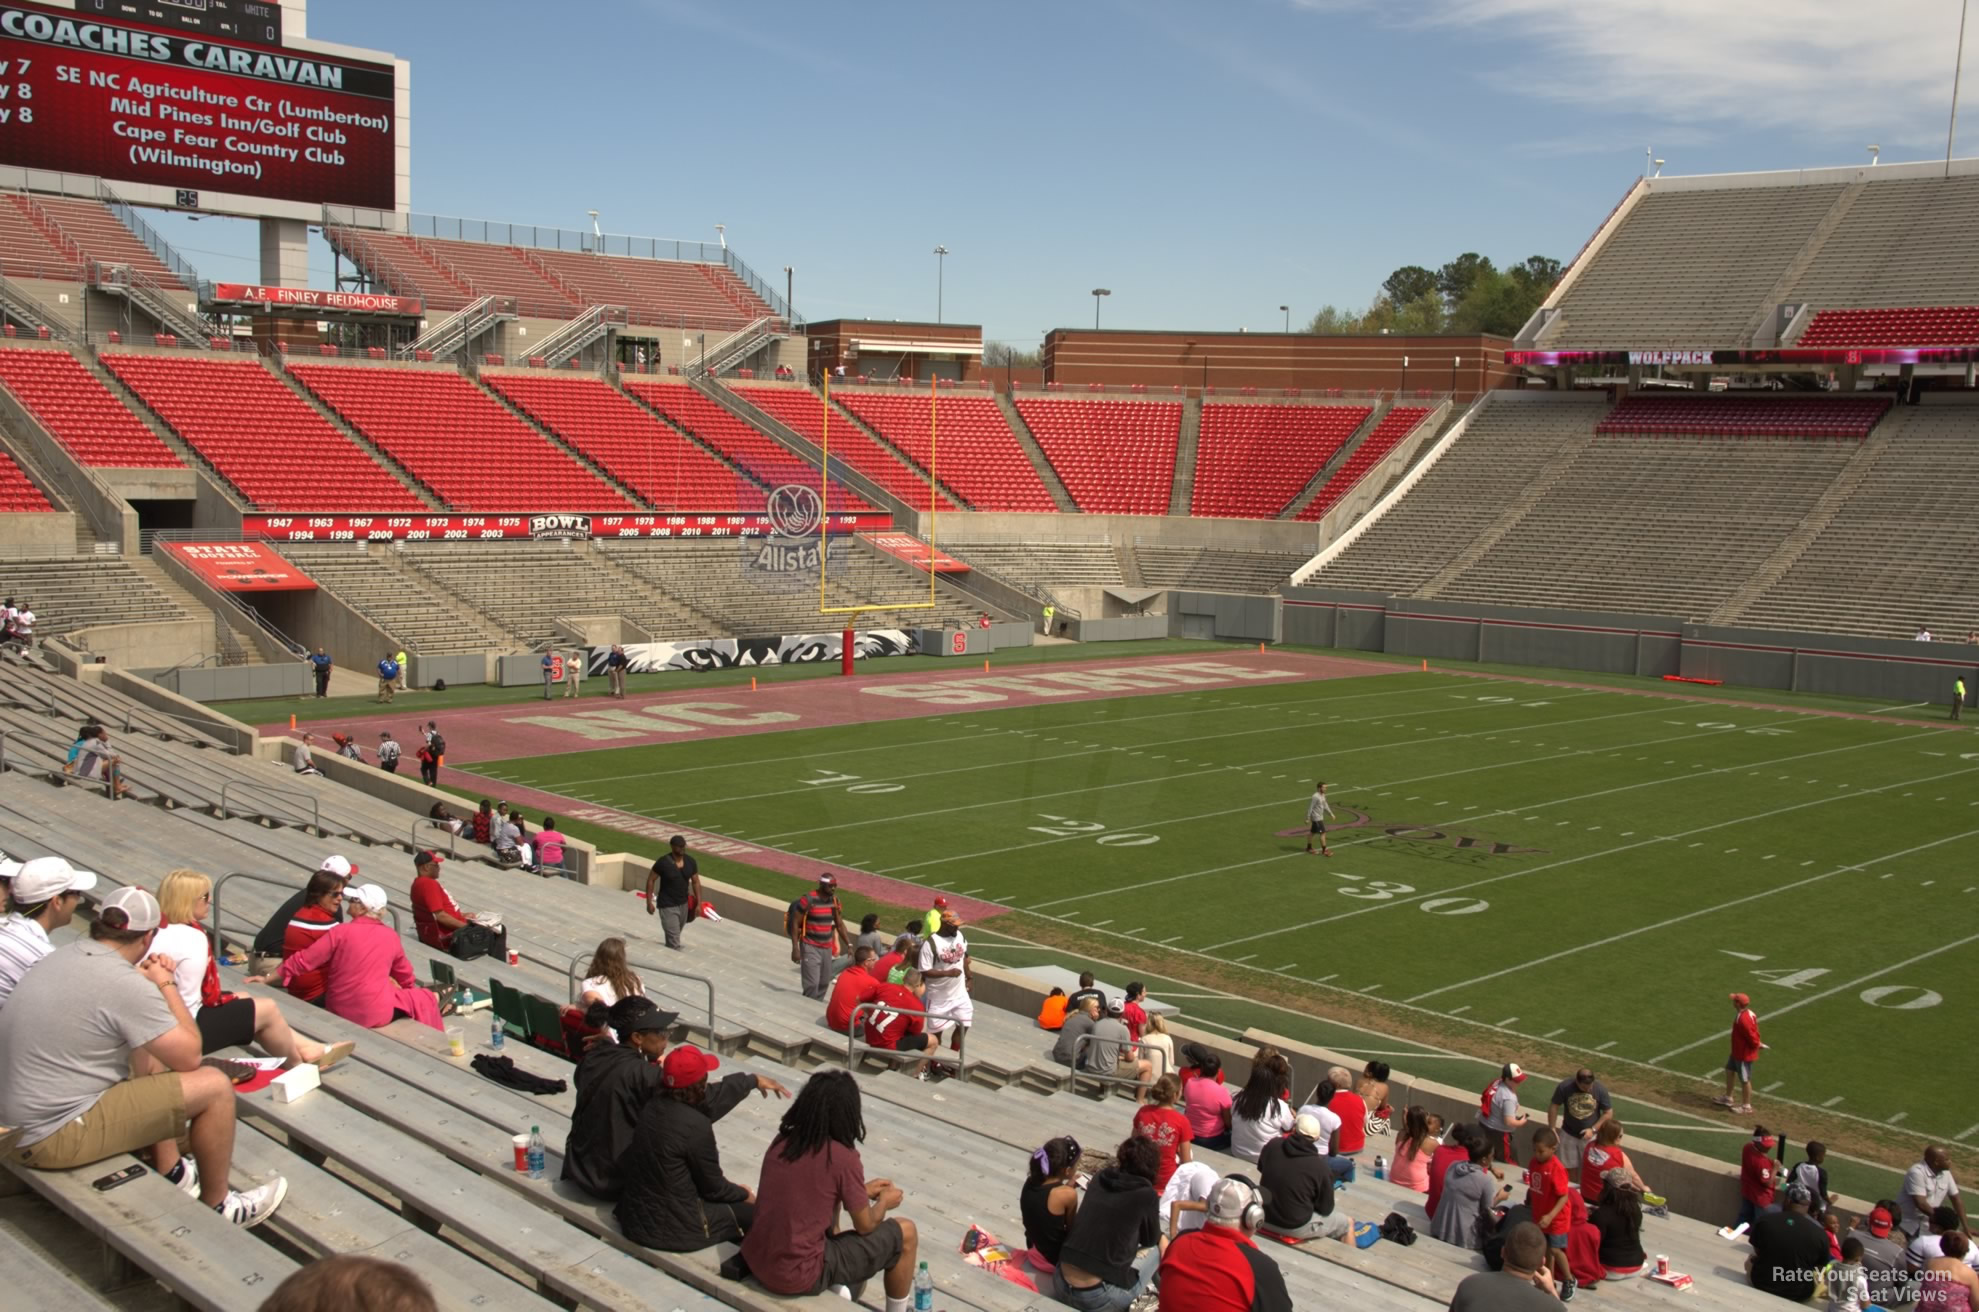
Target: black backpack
{"points": [[471, 941], [1396, 1229], [439, 745]]}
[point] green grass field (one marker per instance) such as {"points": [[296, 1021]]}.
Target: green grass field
{"points": [[1529, 869]]}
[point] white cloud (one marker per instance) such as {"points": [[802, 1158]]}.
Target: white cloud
{"points": [[1819, 69]]}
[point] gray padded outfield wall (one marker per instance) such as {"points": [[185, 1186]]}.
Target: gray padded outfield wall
{"points": [[1240, 616], [1652, 646]]}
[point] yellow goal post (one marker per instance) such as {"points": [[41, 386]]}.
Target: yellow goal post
{"points": [[824, 505]]}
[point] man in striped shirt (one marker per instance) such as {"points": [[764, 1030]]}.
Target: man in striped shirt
{"points": [[47, 891], [817, 935], [1318, 811]]}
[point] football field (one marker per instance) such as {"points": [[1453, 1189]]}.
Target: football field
{"points": [[1589, 870]]}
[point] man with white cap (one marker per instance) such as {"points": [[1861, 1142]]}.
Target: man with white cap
{"points": [[67, 1036], [47, 891], [1219, 1268], [266, 956], [1499, 1115], [1298, 1186]]}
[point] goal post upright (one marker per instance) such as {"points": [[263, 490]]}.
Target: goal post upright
{"points": [[824, 508]]}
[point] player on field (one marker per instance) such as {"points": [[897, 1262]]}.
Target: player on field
{"points": [[1318, 811]]}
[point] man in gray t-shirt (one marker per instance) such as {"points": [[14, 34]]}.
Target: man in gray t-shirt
{"points": [[67, 1036]]}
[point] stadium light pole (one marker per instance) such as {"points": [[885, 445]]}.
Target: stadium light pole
{"points": [[1958, 70], [1455, 360], [1097, 293], [596, 235], [1405, 375], [1288, 317], [789, 306], [941, 261], [1875, 151]]}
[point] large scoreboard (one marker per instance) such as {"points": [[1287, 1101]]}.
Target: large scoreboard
{"points": [[192, 95]]}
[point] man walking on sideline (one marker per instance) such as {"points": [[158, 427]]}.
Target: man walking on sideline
{"points": [[388, 677], [1745, 1051], [320, 664], [1958, 695], [389, 752], [615, 667], [549, 672], [1318, 811], [817, 936], [673, 889]]}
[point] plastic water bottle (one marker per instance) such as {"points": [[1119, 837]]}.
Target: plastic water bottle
{"points": [[924, 1290], [535, 1152], [496, 1033], [1380, 1167]]}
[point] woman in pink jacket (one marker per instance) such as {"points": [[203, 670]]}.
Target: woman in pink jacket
{"points": [[368, 979]]}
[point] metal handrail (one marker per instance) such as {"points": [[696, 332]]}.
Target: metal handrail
{"points": [[453, 838], [270, 880], [930, 1053], [1076, 1073], [130, 717], [702, 980], [315, 804]]}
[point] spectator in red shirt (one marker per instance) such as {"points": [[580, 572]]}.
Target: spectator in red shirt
{"points": [[322, 903], [1134, 1013], [1605, 1154], [1351, 1108], [1219, 1268], [434, 914], [1454, 1148], [1745, 1051], [1169, 1129], [1758, 1176], [901, 1023], [1547, 1188], [854, 986]]}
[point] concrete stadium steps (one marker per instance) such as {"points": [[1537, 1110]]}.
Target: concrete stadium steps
{"points": [[1500, 454], [1908, 241], [1899, 552], [1216, 570], [531, 584], [373, 580], [1046, 564], [69, 593], [1689, 266]]}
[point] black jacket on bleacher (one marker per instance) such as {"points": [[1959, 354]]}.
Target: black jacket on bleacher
{"points": [[614, 1084]]}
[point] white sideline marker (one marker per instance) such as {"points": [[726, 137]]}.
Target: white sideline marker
{"points": [[1832, 1101], [1246, 957], [1135, 930], [1098, 923], [1290, 965], [1604, 1047], [1898, 1117], [1774, 1085], [1968, 1132], [1322, 979], [1506, 1022], [1550, 1033], [1458, 1011]]}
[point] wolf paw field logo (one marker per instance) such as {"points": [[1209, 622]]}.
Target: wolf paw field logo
{"points": [[788, 560]]}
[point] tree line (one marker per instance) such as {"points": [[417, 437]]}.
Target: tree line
{"points": [[1469, 294]]}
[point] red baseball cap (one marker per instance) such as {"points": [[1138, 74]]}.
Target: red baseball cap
{"points": [[686, 1066], [1764, 1140], [1880, 1222], [1741, 999], [941, 904]]}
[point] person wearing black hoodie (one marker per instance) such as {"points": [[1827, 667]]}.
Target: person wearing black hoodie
{"points": [[1298, 1186], [675, 1197], [1110, 1256]]}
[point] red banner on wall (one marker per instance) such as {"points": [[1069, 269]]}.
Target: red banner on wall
{"points": [[313, 298], [241, 567], [907, 547], [459, 528]]}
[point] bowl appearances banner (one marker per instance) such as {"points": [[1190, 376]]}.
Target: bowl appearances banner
{"points": [[132, 101]]}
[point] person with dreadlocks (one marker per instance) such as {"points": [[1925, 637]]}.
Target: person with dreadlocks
{"points": [[811, 1170]]}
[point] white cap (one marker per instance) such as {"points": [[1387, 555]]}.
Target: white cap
{"points": [[47, 876], [1307, 1126], [372, 896], [135, 907], [339, 866]]}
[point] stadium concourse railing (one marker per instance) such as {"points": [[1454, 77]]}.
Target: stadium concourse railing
{"points": [[854, 1046], [1077, 1072], [649, 969], [253, 786]]}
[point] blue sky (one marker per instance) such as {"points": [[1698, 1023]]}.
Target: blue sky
{"points": [[1207, 160]]}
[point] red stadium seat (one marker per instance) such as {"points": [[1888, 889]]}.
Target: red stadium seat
{"points": [[1114, 457], [82, 414], [1397, 424], [974, 450], [1253, 459]]}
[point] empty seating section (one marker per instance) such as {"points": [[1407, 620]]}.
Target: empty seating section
{"points": [[975, 452], [722, 579], [28, 251], [1114, 457], [1219, 571], [427, 619], [259, 435], [1747, 416], [1671, 527], [1937, 325], [81, 592], [71, 403], [1903, 241], [652, 459], [554, 284], [1044, 564], [803, 411], [527, 587], [17, 492], [1898, 553], [1397, 424], [1689, 268], [741, 443], [457, 439], [104, 238], [1253, 459], [1503, 450]]}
